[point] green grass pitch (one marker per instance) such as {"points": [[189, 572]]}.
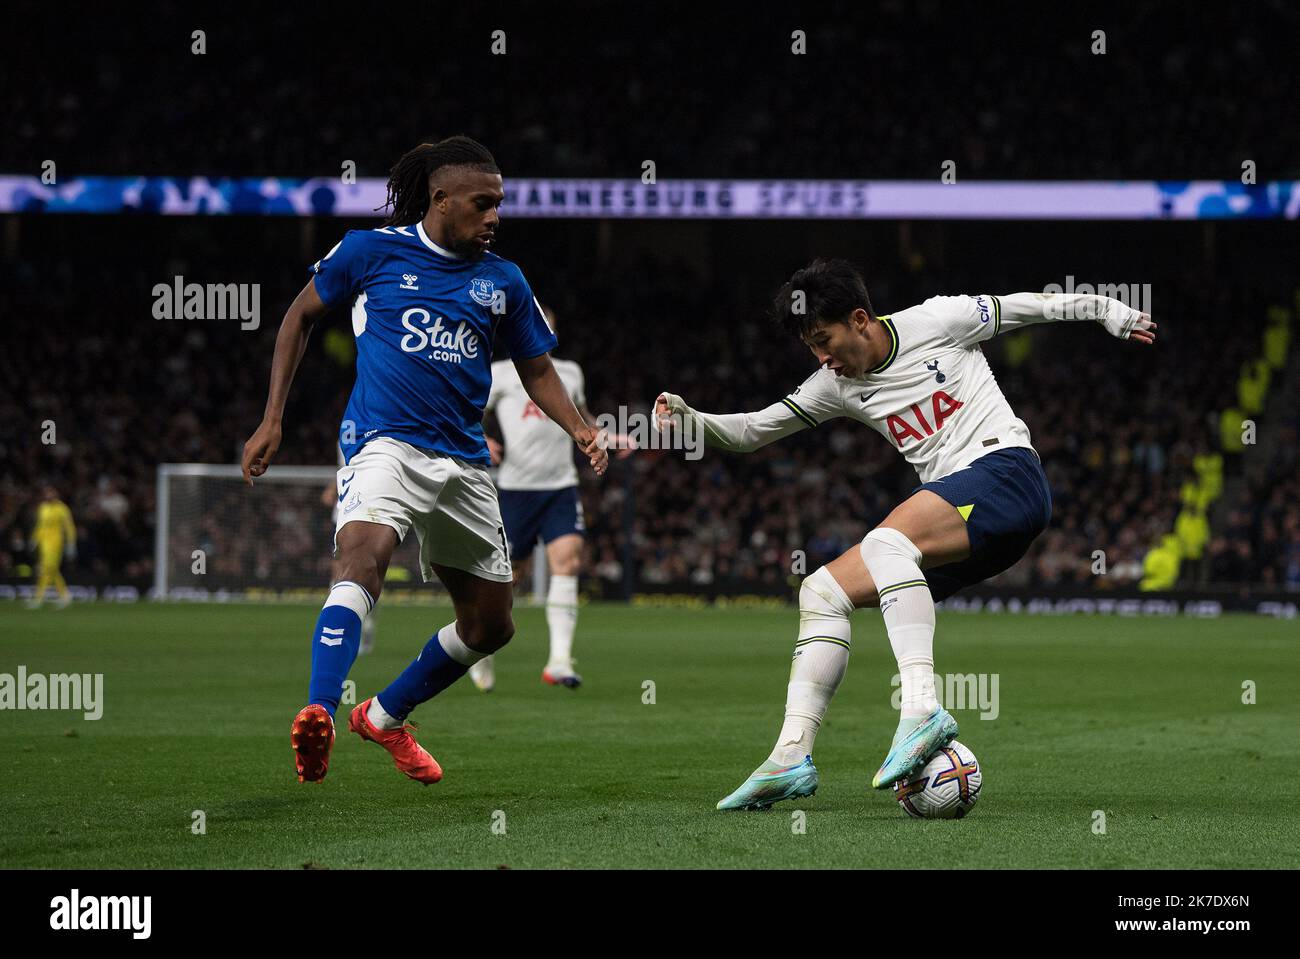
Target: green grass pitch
{"points": [[1141, 718]]}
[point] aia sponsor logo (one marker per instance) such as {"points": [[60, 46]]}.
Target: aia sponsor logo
{"points": [[913, 423]]}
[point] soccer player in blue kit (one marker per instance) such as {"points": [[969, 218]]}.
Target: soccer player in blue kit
{"points": [[427, 297]]}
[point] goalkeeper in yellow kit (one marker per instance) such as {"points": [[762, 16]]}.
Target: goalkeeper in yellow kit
{"points": [[54, 536]]}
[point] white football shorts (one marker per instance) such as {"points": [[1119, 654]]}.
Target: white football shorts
{"points": [[451, 504]]}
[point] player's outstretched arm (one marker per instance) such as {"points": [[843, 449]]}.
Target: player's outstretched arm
{"points": [[734, 432], [1119, 319], [290, 344], [545, 388], [987, 315]]}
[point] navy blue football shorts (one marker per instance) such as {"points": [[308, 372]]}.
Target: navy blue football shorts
{"points": [[546, 514], [1006, 502]]}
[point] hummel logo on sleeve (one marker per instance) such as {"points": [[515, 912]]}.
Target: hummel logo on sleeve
{"points": [[331, 637]]}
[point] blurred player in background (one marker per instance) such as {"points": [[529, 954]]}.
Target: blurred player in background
{"points": [[920, 379], [538, 485], [427, 296], [54, 537], [328, 497]]}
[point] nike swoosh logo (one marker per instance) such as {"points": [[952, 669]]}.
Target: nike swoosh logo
{"points": [[344, 486], [867, 396]]}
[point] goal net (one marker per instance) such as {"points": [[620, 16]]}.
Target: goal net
{"points": [[219, 539]]}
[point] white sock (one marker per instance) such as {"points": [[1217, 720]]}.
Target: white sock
{"points": [[379, 718], [562, 619], [821, 654], [455, 647], [905, 602], [352, 595]]}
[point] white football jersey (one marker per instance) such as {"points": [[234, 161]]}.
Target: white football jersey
{"points": [[539, 453], [933, 397]]}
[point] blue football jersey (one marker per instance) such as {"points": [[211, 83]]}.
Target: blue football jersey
{"points": [[425, 321]]}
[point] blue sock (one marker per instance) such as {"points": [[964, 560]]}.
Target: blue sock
{"points": [[431, 672], [335, 641]]}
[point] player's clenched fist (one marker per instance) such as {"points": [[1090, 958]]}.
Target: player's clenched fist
{"points": [[669, 408], [260, 450]]}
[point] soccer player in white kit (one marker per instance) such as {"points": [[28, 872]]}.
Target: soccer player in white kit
{"points": [[920, 379], [538, 484]]}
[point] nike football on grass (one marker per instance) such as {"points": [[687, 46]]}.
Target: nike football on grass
{"points": [[408, 755], [771, 783], [915, 741]]}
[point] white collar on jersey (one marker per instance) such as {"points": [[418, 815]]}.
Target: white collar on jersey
{"points": [[424, 238]]}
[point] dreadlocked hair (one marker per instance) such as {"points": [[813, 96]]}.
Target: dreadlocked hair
{"points": [[408, 181]]}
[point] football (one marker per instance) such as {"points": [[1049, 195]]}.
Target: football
{"points": [[945, 788]]}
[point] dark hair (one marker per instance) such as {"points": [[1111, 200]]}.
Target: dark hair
{"points": [[831, 290], [408, 182]]}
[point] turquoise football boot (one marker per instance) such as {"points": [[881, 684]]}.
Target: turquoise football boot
{"points": [[915, 741], [771, 783]]}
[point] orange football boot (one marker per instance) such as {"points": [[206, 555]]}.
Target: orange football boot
{"points": [[408, 755], [570, 679], [312, 736]]}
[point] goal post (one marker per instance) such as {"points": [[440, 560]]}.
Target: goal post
{"points": [[218, 539]]}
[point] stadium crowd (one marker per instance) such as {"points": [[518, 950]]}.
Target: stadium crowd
{"points": [[1260, 542], [1008, 92]]}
